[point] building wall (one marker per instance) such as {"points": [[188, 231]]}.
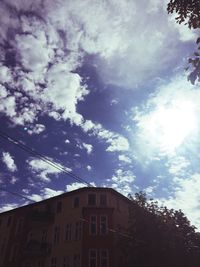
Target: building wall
{"points": [[38, 235]]}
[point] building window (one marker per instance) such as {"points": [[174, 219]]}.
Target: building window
{"points": [[66, 262], [19, 226], [78, 231], [92, 199], [56, 235], [76, 202], [103, 225], [68, 232], [53, 262], [44, 235], [40, 263], [92, 258], [13, 252], [118, 205], [3, 246], [76, 260], [103, 199], [9, 221], [59, 207], [93, 224], [104, 258]]}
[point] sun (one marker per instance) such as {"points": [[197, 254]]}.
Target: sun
{"points": [[168, 126]]}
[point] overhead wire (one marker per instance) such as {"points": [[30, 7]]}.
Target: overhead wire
{"points": [[17, 194], [43, 158]]}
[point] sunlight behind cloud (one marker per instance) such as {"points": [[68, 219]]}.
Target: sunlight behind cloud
{"points": [[169, 126], [168, 120]]}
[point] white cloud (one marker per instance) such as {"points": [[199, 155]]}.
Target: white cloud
{"points": [[88, 148], [43, 169], [76, 185], [67, 141], [9, 206], [178, 166], [89, 168], [122, 181], [14, 180], [36, 129], [186, 197], [45, 194], [9, 161], [167, 120], [124, 158]]}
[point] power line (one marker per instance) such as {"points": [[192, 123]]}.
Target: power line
{"points": [[42, 157], [16, 194]]}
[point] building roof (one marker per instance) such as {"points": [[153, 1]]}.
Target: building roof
{"points": [[74, 192]]}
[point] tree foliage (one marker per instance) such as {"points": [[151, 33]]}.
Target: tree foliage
{"points": [[188, 12], [159, 237]]}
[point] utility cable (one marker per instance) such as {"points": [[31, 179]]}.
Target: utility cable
{"points": [[42, 157], [16, 194]]}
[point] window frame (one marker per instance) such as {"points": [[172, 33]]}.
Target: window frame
{"points": [[106, 224], [90, 225], [68, 232], [91, 203], [103, 200], [93, 258], [103, 258]]}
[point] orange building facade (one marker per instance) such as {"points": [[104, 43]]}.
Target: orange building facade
{"points": [[76, 229]]}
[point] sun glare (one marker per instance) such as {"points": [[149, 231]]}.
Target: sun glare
{"points": [[168, 126]]}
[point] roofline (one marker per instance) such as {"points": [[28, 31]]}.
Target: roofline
{"points": [[73, 192]]}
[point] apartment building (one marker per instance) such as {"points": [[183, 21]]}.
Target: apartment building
{"points": [[76, 229]]}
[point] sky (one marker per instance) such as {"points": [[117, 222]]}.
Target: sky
{"points": [[100, 88]]}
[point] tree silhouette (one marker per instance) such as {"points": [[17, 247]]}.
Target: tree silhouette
{"points": [[158, 237], [188, 12]]}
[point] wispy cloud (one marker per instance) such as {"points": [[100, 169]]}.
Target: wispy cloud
{"points": [[186, 197], [43, 170], [167, 120], [9, 161], [122, 181]]}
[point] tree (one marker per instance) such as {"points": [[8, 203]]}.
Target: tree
{"points": [[159, 237], [188, 12]]}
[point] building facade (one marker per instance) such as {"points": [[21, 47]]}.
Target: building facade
{"points": [[76, 229]]}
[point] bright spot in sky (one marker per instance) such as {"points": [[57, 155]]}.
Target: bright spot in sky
{"points": [[168, 126]]}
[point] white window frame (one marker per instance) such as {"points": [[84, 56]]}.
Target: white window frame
{"points": [[107, 257], [96, 256], [90, 225], [100, 230]]}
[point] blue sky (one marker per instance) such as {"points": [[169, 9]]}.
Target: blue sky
{"points": [[98, 87]]}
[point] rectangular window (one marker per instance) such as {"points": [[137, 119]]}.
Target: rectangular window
{"points": [[103, 225], [59, 207], [66, 261], [104, 258], [9, 221], [93, 224], [19, 227], [56, 235], [103, 200], [3, 246], [92, 258], [44, 235], [68, 232], [92, 199], [40, 263], [78, 231], [76, 260], [76, 202], [53, 262]]}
